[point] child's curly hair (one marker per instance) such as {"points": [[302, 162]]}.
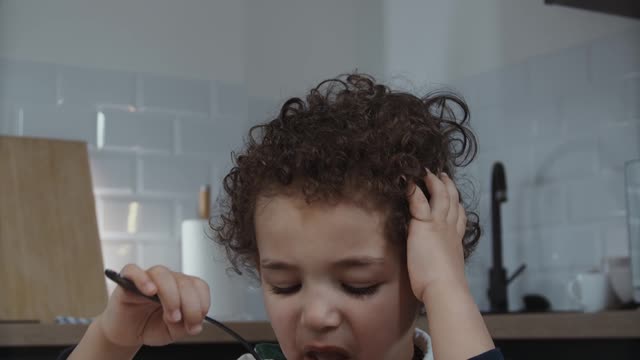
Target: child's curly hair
{"points": [[352, 139]]}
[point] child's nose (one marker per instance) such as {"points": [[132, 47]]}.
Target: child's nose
{"points": [[320, 314]]}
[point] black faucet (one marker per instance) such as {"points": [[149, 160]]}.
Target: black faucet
{"points": [[498, 274]]}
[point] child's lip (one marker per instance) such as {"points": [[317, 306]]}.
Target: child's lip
{"points": [[338, 352], [318, 356]]}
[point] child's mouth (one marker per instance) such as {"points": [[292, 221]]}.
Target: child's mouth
{"points": [[328, 355]]}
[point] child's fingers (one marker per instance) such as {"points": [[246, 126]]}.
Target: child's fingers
{"points": [[140, 278], [168, 292], [190, 305], [418, 204], [439, 196], [205, 295], [461, 224], [452, 190]]}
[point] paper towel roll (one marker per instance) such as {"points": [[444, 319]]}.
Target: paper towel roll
{"points": [[204, 258]]}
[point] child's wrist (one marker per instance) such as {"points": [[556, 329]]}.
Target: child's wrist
{"points": [[446, 288], [453, 313], [101, 334], [97, 346]]}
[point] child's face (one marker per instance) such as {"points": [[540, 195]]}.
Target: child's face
{"points": [[331, 279]]}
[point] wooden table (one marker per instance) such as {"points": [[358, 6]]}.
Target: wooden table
{"points": [[605, 325]]}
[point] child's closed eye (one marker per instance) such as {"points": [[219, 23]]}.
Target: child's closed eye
{"points": [[285, 290], [355, 291], [361, 291]]}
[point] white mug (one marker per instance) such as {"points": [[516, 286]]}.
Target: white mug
{"points": [[591, 290]]}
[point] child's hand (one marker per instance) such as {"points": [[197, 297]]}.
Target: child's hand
{"points": [[132, 320], [434, 244]]}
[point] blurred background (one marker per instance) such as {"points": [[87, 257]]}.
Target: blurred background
{"points": [[162, 91]]}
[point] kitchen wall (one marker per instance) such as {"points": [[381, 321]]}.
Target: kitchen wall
{"points": [[145, 85], [162, 91], [563, 123], [554, 94], [439, 41], [292, 44], [153, 140]]}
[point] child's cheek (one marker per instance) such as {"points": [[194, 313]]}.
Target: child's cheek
{"points": [[281, 314], [283, 322]]}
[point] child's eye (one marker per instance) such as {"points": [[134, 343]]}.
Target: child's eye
{"points": [[285, 290], [361, 291], [352, 290]]}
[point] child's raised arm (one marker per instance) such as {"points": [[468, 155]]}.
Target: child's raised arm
{"points": [[130, 321], [435, 259], [95, 345]]}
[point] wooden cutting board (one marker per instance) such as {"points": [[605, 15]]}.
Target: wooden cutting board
{"points": [[50, 256]]}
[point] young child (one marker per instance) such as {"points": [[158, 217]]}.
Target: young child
{"points": [[346, 209]]}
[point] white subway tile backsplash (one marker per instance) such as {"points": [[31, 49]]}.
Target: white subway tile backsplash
{"points": [[480, 259], [596, 197], [633, 173], [198, 134], [511, 250], [485, 122], [477, 264], [617, 144], [515, 211], [558, 74], [632, 194], [496, 87], [116, 254], [8, 120], [234, 130], [113, 171], [566, 159], [217, 179], [560, 245], [543, 204], [262, 110], [631, 96], [565, 207], [615, 237], [229, 99], [167, 254], [82, 86], [26, 82], [138, 216], [614, 56], [68, 123], [484, 211], [140, 130], [147, 166], [205, 136], [174, 174], [519, 122], [517, 162], [587, 111], [187, 209], [545, 116], [562, 123], [175, 94], [531, 248]]}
